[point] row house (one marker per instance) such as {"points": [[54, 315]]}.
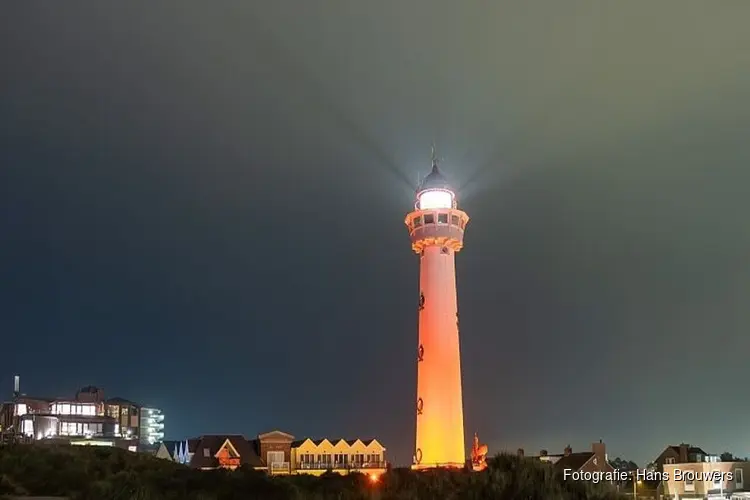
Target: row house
{"points": [[277, 452]]}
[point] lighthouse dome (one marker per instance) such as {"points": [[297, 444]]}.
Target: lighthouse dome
{"points": [[435, 180], [434, 191]]}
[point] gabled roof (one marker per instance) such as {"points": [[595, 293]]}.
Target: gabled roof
{"points": [[170, 446], [275, 435], [300, 442], [369, 442], [574, 461], [336, 442], [227, 445], [246, 450], [192, 444], [691, 449]]}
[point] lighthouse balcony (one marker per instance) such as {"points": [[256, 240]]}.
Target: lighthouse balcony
{"points": [[437, 227]]}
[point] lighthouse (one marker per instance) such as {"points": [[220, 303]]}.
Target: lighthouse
{"points": [[436, 227]]}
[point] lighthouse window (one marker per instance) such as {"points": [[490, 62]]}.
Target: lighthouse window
{"points": [[429, 219], [454, 220], [417, 221], [442, 218]]}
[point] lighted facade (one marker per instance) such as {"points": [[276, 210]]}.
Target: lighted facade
{"points": [[152, 426], [277, 452], [436, 228], [316, 456], [88, 416]]}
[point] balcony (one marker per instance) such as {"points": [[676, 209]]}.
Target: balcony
{"points": [[341, 466], [279, 468]]}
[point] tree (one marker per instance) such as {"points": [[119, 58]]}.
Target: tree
{"points": [[727, 457], [623, 465]]}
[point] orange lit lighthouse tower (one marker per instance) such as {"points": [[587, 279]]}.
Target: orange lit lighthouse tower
{"points": [[436, 228]]}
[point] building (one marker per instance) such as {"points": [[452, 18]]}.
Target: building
{"points": [[232, 451], [277, 452], [88, 418], [436, 229], [706, 479], [212, 452], [151, 428], [177, 451], [316, 456], [682, 454], [595, 460]]}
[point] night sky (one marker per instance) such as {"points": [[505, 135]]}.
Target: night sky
{"points": [[202, 205]]}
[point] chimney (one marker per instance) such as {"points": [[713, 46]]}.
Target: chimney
{"points": [[599, 449], [568, 450], [543, 453], [520, 452], [16, 386], [683, 458]]}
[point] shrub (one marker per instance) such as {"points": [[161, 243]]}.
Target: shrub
{"points": [[94, 473]]}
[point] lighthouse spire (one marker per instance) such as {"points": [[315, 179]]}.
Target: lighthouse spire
{"points": [[434, 158]]}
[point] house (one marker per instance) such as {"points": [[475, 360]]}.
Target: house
{"points": [[88, 418], [316, 456], [594, 460], [227, 451], [276, 452], [683, 454], [707, 479]]}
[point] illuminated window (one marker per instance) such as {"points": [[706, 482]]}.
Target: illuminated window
{"points": [[206, 453], [669, 460], [442, 218], [429, 219], [455, 220]]}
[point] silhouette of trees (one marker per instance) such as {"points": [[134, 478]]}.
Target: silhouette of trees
{"points": [[94, 473]]}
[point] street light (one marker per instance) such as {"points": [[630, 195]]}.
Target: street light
{"points": [[635, 486]]}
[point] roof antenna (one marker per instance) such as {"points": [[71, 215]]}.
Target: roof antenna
{"points": [[434, 156]]}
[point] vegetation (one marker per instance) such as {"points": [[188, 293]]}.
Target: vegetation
{"points": [[622, 464], [113, 474], [728, 457]]}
